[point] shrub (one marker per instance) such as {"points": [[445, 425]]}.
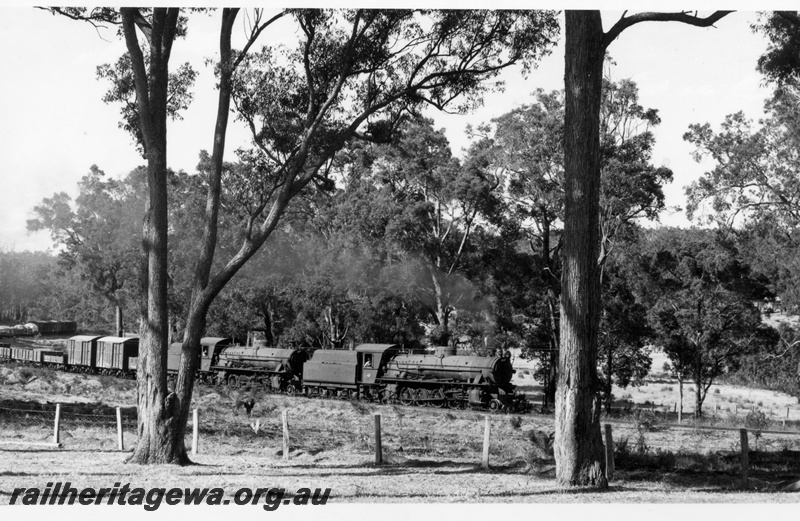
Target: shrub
{"points": [[26, 375], [540, 447], [756, 421], [515, 422]]}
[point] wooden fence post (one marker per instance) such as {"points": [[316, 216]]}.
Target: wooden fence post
{"points": [[378, 448], [609, 453], [745, 457], [286, 435], [485, 461], [120, 440], [195, 430], [57, 426]]}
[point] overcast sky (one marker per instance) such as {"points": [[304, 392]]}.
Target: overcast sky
{"points": [[54, 125]]}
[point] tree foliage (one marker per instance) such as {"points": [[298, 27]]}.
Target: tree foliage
{"points": [[701, 296], [529, 146]]}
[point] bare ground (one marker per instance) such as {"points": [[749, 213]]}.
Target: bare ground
{"points": [[432, 455], [352, 479]]}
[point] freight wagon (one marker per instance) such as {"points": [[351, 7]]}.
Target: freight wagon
{"points": [[117, 355]]}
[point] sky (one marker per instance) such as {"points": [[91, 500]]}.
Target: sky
{"points": [[54, 125]]}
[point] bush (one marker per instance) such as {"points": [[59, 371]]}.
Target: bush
{"points": [[756, 421], [26, 375], [540, 448]]}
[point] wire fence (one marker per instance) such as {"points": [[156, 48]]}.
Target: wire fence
{"points": [[424, 433], [69, 417]]}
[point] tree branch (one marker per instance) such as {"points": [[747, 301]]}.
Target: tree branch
{"points": [[683, 17]]}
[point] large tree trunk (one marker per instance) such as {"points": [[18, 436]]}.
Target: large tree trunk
{"points": [[206, 288], [201, 297], [158, 409], [609, 382], [578, 442]]}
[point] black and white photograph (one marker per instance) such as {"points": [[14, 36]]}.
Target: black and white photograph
{"points": [[397, 261]]}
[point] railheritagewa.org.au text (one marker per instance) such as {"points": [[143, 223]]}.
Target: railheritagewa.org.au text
{"points": [[59, 493]]}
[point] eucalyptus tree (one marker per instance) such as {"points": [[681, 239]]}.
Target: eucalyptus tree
{"points": [[98, 232], [752, 186], [528, 144], [578, 442], [701, 296], [351, 74]]}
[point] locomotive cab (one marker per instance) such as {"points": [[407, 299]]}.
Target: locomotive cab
{"points": [[374, 358], [210, 348]]}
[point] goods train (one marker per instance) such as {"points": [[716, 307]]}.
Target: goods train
{"points": [[374, 372], [40, 327]]}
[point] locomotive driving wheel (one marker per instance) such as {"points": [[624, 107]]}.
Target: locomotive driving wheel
{"points": [[495, 405], [291, 389], [424, 397], [234, 381], [408, 396], [438, 398], [455, 402]]}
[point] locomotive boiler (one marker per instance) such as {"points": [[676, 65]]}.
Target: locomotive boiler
{"points": [[454, 380], [280, 369]]}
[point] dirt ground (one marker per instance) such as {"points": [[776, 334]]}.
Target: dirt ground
{"points": [[431, 455], [351, 479]]}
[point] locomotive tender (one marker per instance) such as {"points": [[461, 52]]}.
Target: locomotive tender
{"points": [[374, 372]]}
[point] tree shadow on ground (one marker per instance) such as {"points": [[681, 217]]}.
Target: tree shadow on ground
{"points": [[711, 472]]}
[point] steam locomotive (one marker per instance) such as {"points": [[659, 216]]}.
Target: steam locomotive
{"points": [[374, 372]]}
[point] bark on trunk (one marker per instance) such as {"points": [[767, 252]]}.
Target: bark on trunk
{"points": [[158, 408], [442, 305], [201, 297], [552, 303], [268, 312], [609, 383], [119, 321], [578, 443], [550, 383]]}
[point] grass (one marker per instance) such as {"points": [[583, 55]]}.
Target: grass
{"points": [[353, 479], [432, 454]]}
